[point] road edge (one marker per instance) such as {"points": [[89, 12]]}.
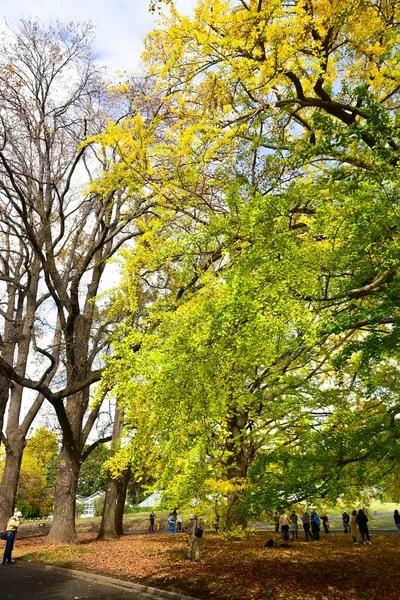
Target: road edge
{"points": [[111, 581]]}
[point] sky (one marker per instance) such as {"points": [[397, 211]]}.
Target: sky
{"points": [[120, 25]]}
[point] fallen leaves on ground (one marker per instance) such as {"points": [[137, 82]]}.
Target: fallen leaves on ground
{"points": [[331, 569]]}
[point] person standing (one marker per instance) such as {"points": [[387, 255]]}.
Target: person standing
{"points": [[284, 522], [396, 517], [315, 524], [152, 519], [353, 526], [305, 517], [294, 526], [171, 523], [195, 533], [11, 530], [362, 521], [346, 522], [179, 520], [325, 523]]}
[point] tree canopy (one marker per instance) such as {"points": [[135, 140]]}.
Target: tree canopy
{"points": [[262, 296]]}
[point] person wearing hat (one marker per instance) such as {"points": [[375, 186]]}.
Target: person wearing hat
{"points": [[11, 530], [195, 532]]}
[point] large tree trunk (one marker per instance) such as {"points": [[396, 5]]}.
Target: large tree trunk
{"points": [[240, 456], [119, 509], [108, 528], [63, 528], [9, 482]]}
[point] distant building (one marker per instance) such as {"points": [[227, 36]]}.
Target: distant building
{"points": [[88, 503], [151, 501]]}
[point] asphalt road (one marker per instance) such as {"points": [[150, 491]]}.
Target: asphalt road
{"points": [[22, 582]]}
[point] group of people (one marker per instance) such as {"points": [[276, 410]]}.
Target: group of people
{"points": [[288, 526], [175, 522], [356, 520]]}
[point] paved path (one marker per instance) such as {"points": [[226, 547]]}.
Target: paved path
{"points": [[24, 581]]}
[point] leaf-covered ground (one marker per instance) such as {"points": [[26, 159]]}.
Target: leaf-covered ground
{"points": [[331, 569]]}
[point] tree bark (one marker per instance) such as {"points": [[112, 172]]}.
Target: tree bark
{"points": [[119, 510], [9, 483], [63, 527], [108, 529], [237, 466]]}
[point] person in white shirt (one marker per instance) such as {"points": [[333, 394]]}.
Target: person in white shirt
{"points": [[284, 523], [179, 520]]}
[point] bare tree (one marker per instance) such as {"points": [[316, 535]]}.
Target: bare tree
{"points": [[51, 99]]}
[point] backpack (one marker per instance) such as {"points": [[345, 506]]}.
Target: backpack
{"points": [[270, 544], [198, 532]]}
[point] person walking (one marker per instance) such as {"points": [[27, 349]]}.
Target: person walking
{"points": [[152, 519], [11, 530], [305, 517], [396, 517], [284, 522], [315, 524], [195, 533], [294, 525], [362, 521], [353, 526], [325, 523], [171, 523]]}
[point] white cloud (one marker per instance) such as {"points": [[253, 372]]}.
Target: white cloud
{"points": [[120, 25]]}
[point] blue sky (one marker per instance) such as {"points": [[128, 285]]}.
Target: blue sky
{"points": [[120, 25]]}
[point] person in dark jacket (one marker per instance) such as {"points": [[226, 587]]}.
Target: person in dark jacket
{"points": [[152, 519], [396, 517], [315, 524], [346, 522], [306, 525], [362, 521]]}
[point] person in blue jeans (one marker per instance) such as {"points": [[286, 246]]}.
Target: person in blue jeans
{"points": [[396, 517], [11, 530], [171, 523]]}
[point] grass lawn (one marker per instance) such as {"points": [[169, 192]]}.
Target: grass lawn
{"points": [[331, 569]]}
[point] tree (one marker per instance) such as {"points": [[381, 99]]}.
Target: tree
{"points": [[282, 123], [92, 477], [108, 526], [52, 98], [35, 495]]}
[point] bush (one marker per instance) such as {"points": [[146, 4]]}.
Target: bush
{"points": [[99, 506], [239, 533]]}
